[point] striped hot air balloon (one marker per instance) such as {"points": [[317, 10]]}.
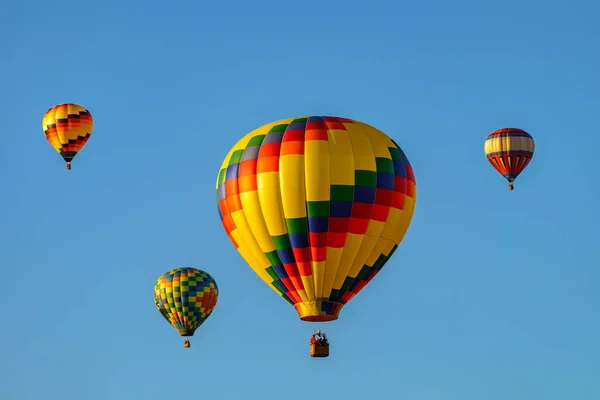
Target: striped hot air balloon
{"points": [[509, 150], [316, 206]]}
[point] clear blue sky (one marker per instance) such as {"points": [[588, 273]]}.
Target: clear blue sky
{"points": [[492, 295]]}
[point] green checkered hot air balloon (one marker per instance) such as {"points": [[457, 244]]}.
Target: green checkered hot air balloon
{"points": [[186, 297]]}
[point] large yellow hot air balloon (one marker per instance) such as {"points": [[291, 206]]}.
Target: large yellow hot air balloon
{"points": [[68, 128], [509, 150], [316, 206]]}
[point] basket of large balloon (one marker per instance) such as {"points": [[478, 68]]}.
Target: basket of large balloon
{"points": [[319, 345]]}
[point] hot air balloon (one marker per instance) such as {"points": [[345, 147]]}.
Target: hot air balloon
{"points": [[509, 150], [316, 206], [186, 297], [68, 128]]}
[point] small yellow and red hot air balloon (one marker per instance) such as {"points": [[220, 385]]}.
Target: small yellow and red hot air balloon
{"points": [[67, 127], [509, 150]]}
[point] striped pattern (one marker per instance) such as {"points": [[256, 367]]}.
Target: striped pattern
{"points": [[67, 127], [186, 297], [316, 206], [509, 150]]}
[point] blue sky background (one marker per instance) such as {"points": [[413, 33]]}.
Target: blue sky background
{"points": [[493, 294]]}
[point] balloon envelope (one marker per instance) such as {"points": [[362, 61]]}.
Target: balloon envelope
{"points": [[509, 150], [67, 127], [316, 206], [186, 297]]}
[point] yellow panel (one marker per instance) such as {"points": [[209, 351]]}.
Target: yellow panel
{"points": [[405, 219], [318, 278], [247, 238], [317, 170], [349, 254], [392, 229], [308, 294], [291, 180], [301, 292], [375, 228], [267, 180], [256, 222], [63, 133], [378, 250], [366, 247], [270, 203], [389, 245], [258, 265], [255, 265], [341, 158], [378, 143], [507, 143], [364, 158], [384, 141], [334, 256]]}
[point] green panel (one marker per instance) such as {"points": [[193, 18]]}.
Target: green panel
{"points": [[236, 157], [273, 258], [256, 140], [279, 128], [297, 225], [384, 165], [365, 178], [317, 208], [222, 175], [281, 242], [341, 193], [395, 154], [272, 273]]}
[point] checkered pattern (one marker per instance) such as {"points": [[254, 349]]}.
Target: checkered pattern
{"points": [[316, 206], [186, 297], [509, 150], [68, 128]]}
